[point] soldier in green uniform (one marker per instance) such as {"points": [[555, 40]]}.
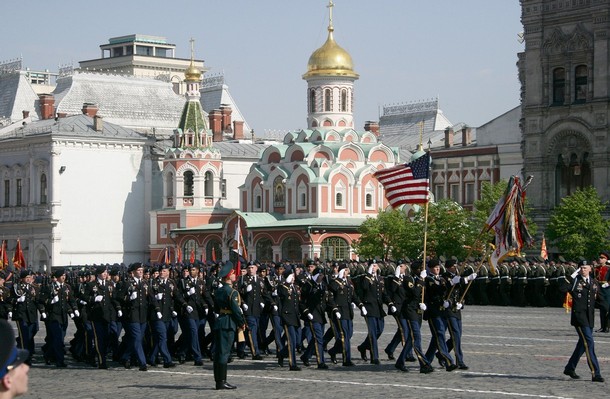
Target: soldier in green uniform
{"points": [[230, 317]]}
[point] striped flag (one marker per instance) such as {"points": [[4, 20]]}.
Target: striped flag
{"points": [[3, 255], [407, 183], [543, 252]]}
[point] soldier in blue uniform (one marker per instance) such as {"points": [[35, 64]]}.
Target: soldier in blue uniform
{"points": [[373, 297], [585, 291], [163, 294], [100, 300], [289, 295], [230, 317], [25, 311], [135, 296]]}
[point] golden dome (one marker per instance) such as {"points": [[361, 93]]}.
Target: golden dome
{"points": [[192, 73], [330, 59]]}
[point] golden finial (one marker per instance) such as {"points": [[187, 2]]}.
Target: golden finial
{"points": [[192, 50], [330, 15]]}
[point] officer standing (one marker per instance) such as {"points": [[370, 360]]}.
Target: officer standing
{"points": [[230, 317], [584, 290]]}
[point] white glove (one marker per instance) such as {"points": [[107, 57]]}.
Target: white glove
{"points": [[249, 288], [189, 309], [119, 313], [21, 298], [244, 306], [274, 293], [392, 309], [275, 308], [71, 315], [174, 314], [423, 274], [216, 315], [55, 299], [423, 306], [309, 316], [459, 306], [354, 306], [99, 298], [219, 284], [471, 277], [10, 315], [338, 315], [573, 275], [82, 302], [262, 305], [77, 313], [205, 311], [191, 291], [133, 296], [446, 304], [363, 311], [43, 315], [159, 296], [455, 280], [605, 285], [159, 315]]}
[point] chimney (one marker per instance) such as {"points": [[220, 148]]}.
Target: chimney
{"points": [[372, 126], [89, 109], [98, 123], [61, 114], [226, 111], [448, 137], [26, 114], [215, 124], [466, 137], [47, 106], [238, 130]]}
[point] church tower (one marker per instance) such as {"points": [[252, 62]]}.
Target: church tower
{"points": [[330, 80]]}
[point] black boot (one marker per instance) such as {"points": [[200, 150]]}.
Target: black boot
{"points": [[226, 385], [220, 376]]}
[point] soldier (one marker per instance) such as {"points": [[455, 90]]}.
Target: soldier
{"points": [[100, 298], [135, 301], [13, 369], [289, 295], [396, 293], [163, 292], [57, 303], [253, 292], [230, 317], [373, 297], [5, 298], [345, 298], [272, 283], [604, 276], [25, 312], [584, 290], [115, 326]]}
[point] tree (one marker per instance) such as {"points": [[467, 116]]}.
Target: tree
{"points": [[577, 226], [450, 229]]}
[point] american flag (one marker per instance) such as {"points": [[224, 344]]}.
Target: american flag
{"points": [[407, 183]]}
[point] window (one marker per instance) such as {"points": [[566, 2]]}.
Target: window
{"points": [[291, 249], [188, 183], [258, 202], [163, 230], [339, 200], [580, 84], [264, 250], [339, 195], [334, 248], [303, 200], [144, 50], [278, 192], [7, 193], [559, 86], [302, 196], [368, 201], [223, 188], [343, 100], [469, 193], [19, 192], [208, 185], [327, 100], [454, 192], [43, 188], [161, 52], [439, 192], [189, 250], [312, 100]]}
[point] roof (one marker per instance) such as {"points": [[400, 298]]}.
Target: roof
{"points": [[16, 96], [133, 102], [214, 93]]}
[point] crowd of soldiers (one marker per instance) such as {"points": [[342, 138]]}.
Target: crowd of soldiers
{"points": [[145, 316]]}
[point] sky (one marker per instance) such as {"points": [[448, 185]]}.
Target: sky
{"points": [[462, 52]]}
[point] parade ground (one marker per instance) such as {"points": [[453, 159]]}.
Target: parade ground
{"points": [[511, 353]]}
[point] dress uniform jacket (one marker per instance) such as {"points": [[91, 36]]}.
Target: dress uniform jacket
{"points": [[344, 295], [410, 307], [584, 295], [373, 295], [104, 309], [395, 291], [226, 305], [65, 304], [27, 310], [289, 304], [254, 297], [165, 305], [436, 288], [5, 302], [200, 300], [136, 310], [315, 300]]}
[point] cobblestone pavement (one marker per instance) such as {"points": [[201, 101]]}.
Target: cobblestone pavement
{"points": [[512, 352]]}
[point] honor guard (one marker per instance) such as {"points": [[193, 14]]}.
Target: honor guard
{"points": [[25, 311]]}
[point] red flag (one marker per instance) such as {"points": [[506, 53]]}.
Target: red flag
{"points": [[192, 257], [18, 258], [166, 256], [178, 255], [213, 254], [406, 183], [543, 252], [3, 255]]}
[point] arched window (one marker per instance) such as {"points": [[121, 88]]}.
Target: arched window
{"points": [[581, 75], [169, 184], [208, 185], [188, 183], [302, 196], [343, 100], [327, 100], [334, 248], [189, 250], [312, 100], [559, 86], [264, 250], [279, 192], [258, 202], [213, 251], [368, 200], [339, 200], [43, 188], [291, 249]]}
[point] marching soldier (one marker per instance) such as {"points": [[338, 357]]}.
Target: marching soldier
{"points": [[253, 292], [163, 292], [135, 302], [373, 297], [100, 297], [396, 293], [25, 312], [5, 298], [289, 295], [230, 317]]}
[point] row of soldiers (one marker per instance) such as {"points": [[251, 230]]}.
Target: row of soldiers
{"points": [[314, 304]]}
